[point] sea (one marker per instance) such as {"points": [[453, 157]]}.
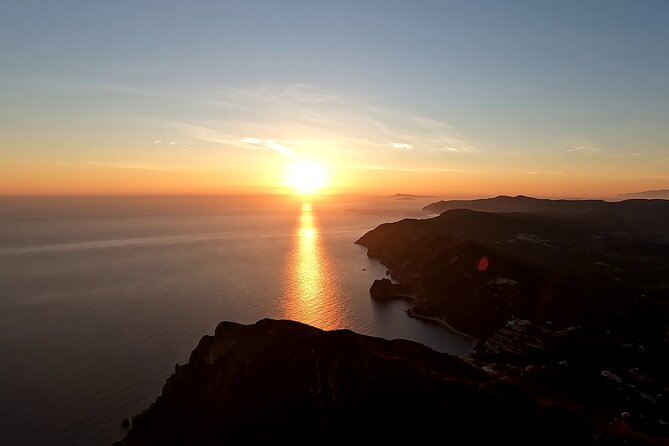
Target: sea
{"points": [[100, 297]]}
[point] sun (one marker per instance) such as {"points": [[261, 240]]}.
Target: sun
{"points": [[306, 177]]}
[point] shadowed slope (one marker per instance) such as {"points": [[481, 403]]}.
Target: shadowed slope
{"points": [[285, 381]]}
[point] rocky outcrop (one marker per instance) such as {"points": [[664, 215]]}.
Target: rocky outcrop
{"points": [[282, 381], [385, 289]]}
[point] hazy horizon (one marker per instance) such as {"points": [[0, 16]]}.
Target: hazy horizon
{"points": [[324, 195]]}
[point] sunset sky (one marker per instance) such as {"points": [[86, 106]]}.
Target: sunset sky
{"points": [[563, 98]]}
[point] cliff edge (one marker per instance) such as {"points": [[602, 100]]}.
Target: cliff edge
{"points": [[281, 381]]}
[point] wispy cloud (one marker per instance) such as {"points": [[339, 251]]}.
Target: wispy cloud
{"points": [[580, 149], [270, 145], [400, 146], [130, 166], [173, 144], [202, 133], [346, 121], [413, 169], [290, 148], [626, 155], [321, 123], [580, 145], [535, 172], [440, 135], [431, 123]]}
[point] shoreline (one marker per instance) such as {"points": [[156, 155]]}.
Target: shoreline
{"points": [[413, 300], [437, 320]]}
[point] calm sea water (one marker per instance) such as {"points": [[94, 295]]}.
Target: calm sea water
{"points": [[101, 297]]}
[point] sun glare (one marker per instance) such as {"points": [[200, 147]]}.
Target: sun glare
{"points": [[306, 177]]}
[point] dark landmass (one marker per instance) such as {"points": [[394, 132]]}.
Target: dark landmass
{"points": [[631, 215], [661, 194], [282, 381], [384, 289], [569, 300]]}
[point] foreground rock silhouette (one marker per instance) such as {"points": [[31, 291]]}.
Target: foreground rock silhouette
{"points": [[283, 381]]}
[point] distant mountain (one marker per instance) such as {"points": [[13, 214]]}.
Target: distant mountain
{"points": [[639, 214], [656, 194]]}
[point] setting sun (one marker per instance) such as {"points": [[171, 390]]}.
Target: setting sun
{"points": [[306, 177]]}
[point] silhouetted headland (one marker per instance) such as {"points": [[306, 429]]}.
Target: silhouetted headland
{"points": [[282, 381], [565, 297], [632, 215]]}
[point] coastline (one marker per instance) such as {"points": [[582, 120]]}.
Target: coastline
{"points": [[439, 321], [413, 300]]}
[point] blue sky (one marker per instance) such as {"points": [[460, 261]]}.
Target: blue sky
{"points": [[529, 94]]}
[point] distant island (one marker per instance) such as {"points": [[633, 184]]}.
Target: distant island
{"points": [[565, 297], [408, 196], [659, 194]]}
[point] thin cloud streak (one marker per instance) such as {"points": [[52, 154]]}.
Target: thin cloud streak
{"points": [[626, 155], [400, 146], [128, 166], [580, 149], [270, 145], [535, 172], [414, 170], [316, 111], [440, 134]]}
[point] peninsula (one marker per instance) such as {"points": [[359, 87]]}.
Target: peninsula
{"points": [[565, 297]]}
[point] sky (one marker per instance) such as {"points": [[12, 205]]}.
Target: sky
{"points": [[457, 98]]}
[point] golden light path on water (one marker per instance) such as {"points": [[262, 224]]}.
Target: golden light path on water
{"points": [[311, 292]]}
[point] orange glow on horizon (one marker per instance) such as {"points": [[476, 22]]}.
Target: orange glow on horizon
{"points": [[99, 179]]}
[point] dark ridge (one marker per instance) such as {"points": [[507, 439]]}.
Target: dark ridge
{"points": [[282, 381], [638, 214]]}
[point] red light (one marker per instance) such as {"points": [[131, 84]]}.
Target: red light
{"points": [[483, 264]]}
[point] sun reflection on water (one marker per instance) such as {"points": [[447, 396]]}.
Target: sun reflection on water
{"points": [[310, 293]]}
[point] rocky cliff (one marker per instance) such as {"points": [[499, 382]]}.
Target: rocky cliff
{"points": [[286, 382]]}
